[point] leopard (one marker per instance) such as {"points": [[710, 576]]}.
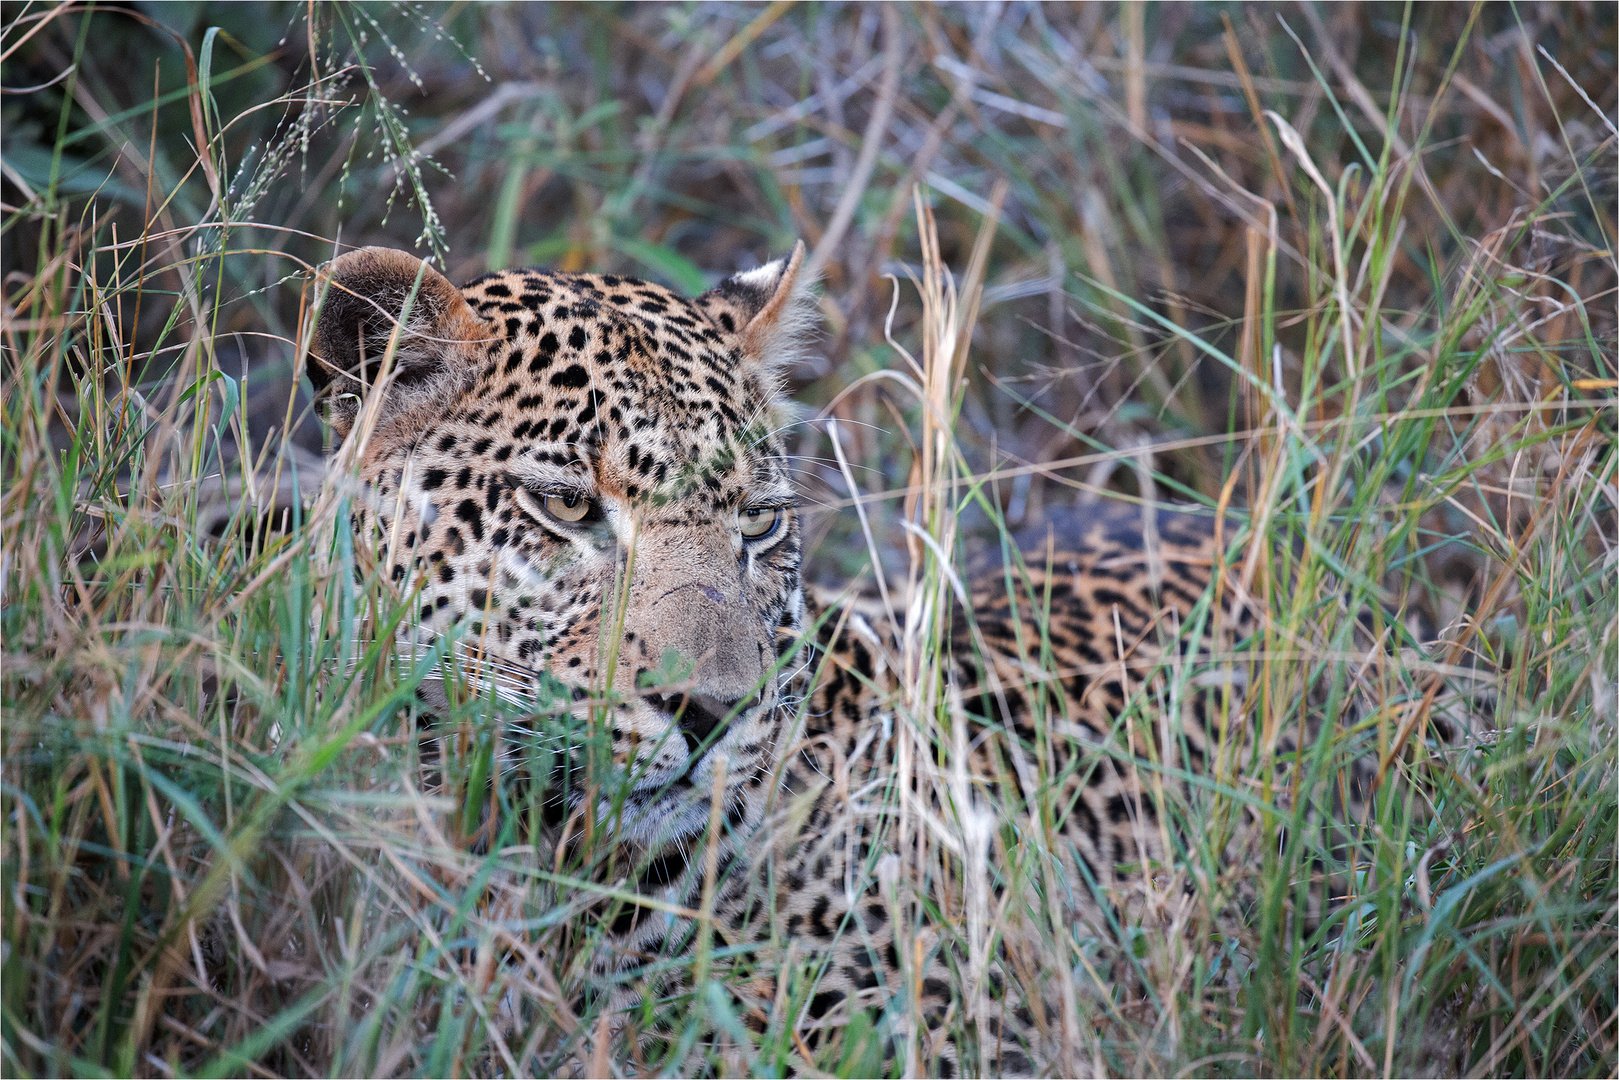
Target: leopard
{"points": [[584, 480]]}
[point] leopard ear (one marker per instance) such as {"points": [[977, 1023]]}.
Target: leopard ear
{"points": [[769, 313], [362, 296]]}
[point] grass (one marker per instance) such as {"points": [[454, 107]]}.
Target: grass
{"points": [[1346, 275]]}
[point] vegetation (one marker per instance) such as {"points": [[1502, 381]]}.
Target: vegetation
{"points": [[1346, 273]]}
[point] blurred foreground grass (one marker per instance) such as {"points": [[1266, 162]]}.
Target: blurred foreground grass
{"points": [[1347, 271]]}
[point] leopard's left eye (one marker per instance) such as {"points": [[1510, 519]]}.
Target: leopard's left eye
{"points": [[759, 523]]}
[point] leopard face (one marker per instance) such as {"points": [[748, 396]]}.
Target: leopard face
{"points": [[581, 476]]}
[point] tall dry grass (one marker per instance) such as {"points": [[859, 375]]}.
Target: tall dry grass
{"points": [[1388, 364]]}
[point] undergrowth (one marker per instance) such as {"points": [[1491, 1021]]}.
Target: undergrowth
{"points": [[1349, 287]]}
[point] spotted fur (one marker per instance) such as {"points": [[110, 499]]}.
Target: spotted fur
{"points": [[469, 413]]}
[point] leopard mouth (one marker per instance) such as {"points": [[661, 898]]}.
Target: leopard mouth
{"points": [[665, 789], [702, 723], [690, 722]]}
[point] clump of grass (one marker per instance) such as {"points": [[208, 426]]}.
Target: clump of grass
{"points": [[225, 848]]}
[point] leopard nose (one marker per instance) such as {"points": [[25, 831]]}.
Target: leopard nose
{"points": [[718, 710], [698, 715]]}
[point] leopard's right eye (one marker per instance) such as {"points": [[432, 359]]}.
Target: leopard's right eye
{"points": [[757, 523], [570, 508]]}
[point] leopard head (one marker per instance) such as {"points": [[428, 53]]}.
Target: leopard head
{"points": [[581, 477]]}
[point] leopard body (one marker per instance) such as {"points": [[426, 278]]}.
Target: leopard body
{"points": [[481, 420]]}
